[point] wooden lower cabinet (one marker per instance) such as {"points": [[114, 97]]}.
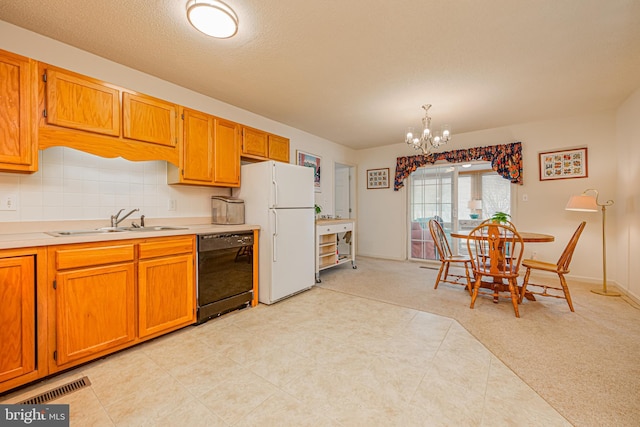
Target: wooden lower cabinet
{"points": [[17, 317], [65, 305], [93, 299], [109, 296], [23, 356], [95, 311], [166, 286]]}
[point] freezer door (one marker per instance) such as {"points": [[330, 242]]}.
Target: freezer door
{"points": [[291, 186], [292, 256]]}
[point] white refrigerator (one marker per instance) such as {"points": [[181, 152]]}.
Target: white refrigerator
{"points": [[279, 197]]}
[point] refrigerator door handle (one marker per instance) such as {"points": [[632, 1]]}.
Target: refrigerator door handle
{"points": [[275, 235], [274, 182]]}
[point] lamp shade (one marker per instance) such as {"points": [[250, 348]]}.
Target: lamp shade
{"points": [[475, 204], [582, 203]]}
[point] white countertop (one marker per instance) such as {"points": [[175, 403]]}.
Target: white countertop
{"points": [[26, 235]]}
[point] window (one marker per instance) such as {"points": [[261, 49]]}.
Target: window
{"points": [[445, 192]]}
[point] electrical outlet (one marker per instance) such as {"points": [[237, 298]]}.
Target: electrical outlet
{"points": [[525, 198], [534, 255], [8, 202], [172, 205]]}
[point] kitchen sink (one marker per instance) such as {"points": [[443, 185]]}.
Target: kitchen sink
{"points": [[154, 228], [66, 233], [85, 232]]}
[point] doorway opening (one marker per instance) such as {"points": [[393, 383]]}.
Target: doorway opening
{"points": [[344, 196]]}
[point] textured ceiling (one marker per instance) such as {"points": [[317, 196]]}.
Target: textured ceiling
{"points": [[356, 72]]}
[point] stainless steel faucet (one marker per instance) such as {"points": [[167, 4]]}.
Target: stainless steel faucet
{"points": [[115, 220]]}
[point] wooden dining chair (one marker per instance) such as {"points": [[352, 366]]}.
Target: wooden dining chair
{"points": [[447, 258], [496, 253], [560, 268]]}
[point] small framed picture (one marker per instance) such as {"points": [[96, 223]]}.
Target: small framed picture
{"points": [[378, 178], [311, 161], [563, 164]]}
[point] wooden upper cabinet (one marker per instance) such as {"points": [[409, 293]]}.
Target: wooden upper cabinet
{"points": [[260, 145], [197, 161], [81, 103], [210, 151], [254, 142], [18, 147], [149, 119], [17, 317], [278, 148], [100, 118], [226, 153]]}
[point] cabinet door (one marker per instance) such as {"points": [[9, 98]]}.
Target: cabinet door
{"points": [[278, 148], [198, 147], [17, 146], [79, 102], [17, 317], [166, 294], [95, 310], [148, 119], [226, 154], [254, 142]]}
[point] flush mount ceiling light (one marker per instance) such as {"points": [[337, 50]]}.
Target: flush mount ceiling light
{"points": [[213, 18], [427, 141]]}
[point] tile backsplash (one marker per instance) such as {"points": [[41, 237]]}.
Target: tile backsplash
{"points": [[73, 185]]}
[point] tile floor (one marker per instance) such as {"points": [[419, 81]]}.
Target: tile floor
{"points": [[321, 358]]}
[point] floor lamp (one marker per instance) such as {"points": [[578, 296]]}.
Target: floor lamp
{"points": [[585, 203]]}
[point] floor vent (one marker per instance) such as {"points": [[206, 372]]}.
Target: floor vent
{"points": [[57, 392]]}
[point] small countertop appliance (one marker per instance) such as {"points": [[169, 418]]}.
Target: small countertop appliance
{"points": [[227, 210]]}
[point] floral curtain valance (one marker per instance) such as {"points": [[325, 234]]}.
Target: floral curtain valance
{"points": [[506, 160]]}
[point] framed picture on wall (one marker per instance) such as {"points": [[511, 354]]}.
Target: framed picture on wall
{"points": [[311, 161], [377, 178], [563, 164]]}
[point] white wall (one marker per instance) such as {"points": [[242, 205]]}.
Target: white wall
{"points": [[383, 218], [75, 185], [627, 201]]}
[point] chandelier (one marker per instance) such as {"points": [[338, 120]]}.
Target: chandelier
{"points": [[427, 141]]}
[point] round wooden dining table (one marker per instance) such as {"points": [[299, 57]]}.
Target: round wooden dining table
{"points": [[527, 237]]}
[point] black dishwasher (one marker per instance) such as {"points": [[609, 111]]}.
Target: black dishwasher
{"points": [[225, 273]]}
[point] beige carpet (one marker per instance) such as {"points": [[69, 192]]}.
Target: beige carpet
{"points": [[586, 364]]}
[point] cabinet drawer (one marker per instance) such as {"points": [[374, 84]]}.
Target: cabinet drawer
{"points": [[166, 247], [335, 228], [83, 257]]}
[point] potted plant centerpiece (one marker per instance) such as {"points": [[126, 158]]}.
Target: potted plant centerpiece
{"points": [[500, 217], [318, 209]]}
